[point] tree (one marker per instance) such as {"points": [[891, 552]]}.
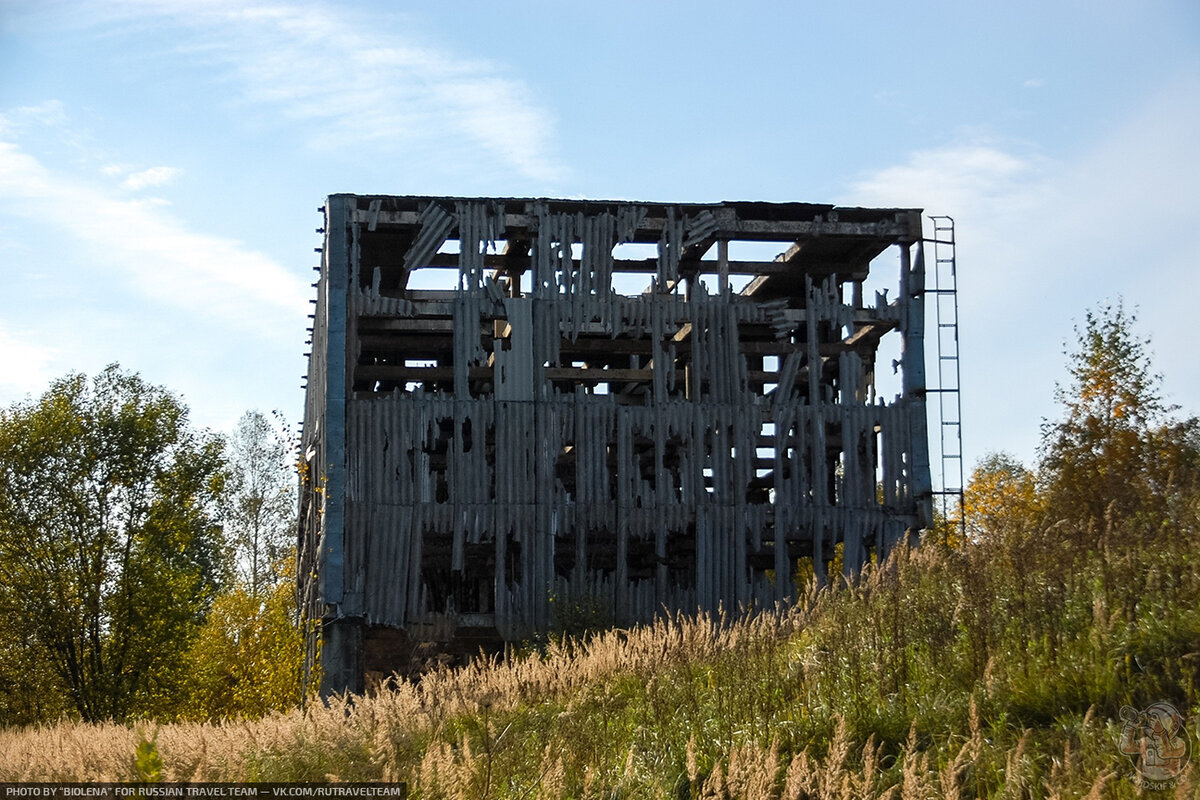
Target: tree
{"points": [[30, 690], [1001, 500], [108, 538], [247, 658], [1116, 454], [261, 507]]}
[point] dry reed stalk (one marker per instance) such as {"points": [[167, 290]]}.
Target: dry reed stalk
{"points": [[1188, 786], [1097, 791]]}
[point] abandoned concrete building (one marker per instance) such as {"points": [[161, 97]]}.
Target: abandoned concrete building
{"points": [[516, 406]]}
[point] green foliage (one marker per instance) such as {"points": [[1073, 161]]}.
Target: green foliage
{"points": [[111, 559], [247, 657], [985, 665], [108, 546], [147, 763], [579, 614], [30, 689], [246, 660], [1115, 454]]}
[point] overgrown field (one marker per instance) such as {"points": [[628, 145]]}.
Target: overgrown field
{"points": [[954, 670], [1006, 660]]}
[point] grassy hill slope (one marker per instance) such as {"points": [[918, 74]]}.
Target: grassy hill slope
{"points": [[953, 670]]}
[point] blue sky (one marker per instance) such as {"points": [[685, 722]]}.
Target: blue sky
{"points": [[161, 163]]}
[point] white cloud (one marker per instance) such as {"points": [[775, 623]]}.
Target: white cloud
{"points": [[1041, 240], [959, 177], [155, 176], [157, 254], [51, 112], [26, 365], [15, 120], [356, 79]]}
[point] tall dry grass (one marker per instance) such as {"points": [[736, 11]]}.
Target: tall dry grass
{"points": [[975, 670]]}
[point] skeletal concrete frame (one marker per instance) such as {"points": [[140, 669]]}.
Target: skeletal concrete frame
{"points": [[528, 434]]}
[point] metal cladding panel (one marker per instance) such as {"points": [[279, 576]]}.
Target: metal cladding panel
{"points": [[538, 438], [337, 268]]}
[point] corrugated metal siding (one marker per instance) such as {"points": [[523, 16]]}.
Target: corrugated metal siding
{"points": [[481, 480]]}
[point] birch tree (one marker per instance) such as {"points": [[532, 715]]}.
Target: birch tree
{"points": [[261, 500], [1117, 454]]}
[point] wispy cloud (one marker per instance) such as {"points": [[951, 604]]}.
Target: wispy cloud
{"points": [[155, 176], [28, 364], [158, 255], [357, 79], [47, 113], [1042, 239], [994, 192], [959, 176]]}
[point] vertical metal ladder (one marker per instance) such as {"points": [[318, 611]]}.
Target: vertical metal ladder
{"points": [[945, 299]]}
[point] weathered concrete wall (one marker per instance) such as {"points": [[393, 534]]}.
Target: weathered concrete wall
{"points": [[486, 454]]}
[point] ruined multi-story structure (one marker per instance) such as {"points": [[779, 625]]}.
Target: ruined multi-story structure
{"points": [[625, 404]]}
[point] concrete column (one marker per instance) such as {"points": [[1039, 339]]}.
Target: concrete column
{"points": [[341, 656]]}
